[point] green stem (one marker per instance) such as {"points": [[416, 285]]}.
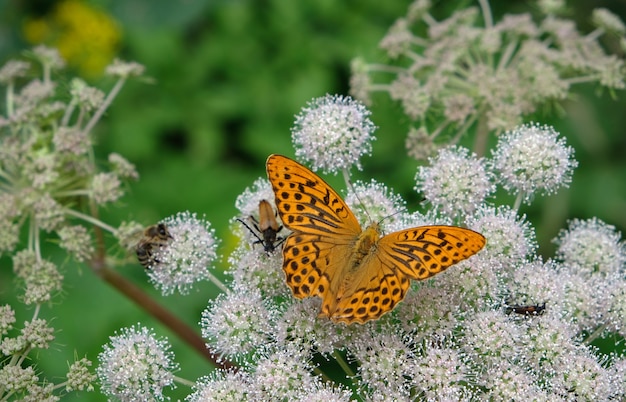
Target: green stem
{"points": [[593, 36], [343, 364], [482, 134], [323, 375], [72, 193], [464, 128], [90, 219], [184, 381], [34, 238], [218, 283], [595, 334], [10, 98], [484, 6], [346, 178], [518, 201], [105, 105], [507, 56], [68, 113], [46, 72], [36, 312]]}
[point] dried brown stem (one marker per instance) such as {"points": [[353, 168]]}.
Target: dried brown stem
{"points": [[134, 293], [179, 327]]}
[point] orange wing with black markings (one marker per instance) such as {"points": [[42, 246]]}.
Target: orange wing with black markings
{"points": [[358, 275]]}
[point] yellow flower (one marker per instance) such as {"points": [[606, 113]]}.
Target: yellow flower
{"points": [[86, 37]]}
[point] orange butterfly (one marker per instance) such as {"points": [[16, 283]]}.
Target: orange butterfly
{"points": [[358, 274], [267, 226]]}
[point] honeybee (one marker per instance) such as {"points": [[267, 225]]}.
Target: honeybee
{"points": [[267, 226], [536, 309], [154, 237]]}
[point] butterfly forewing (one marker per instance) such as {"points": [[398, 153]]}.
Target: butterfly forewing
{"points": [[424, 251], [307, 203]]}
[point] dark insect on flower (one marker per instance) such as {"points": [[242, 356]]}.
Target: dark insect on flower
{"points": [[267, 226], [154, 237], [536, 309]]}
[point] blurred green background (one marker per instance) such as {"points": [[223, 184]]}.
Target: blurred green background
{"points": [[228, 78]]}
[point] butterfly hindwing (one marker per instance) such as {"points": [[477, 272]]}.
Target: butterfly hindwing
{"points": [[377, 292], [306, 265]]}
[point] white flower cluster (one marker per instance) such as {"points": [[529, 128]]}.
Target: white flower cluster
{"points": [[502, 325]]}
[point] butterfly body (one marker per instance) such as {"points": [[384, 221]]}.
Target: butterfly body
{"points": [[364, 249], [358, 274], [365, 245]]}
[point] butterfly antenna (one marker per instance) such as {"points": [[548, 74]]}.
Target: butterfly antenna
{"points": [[346, 177], [389, 216]]}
